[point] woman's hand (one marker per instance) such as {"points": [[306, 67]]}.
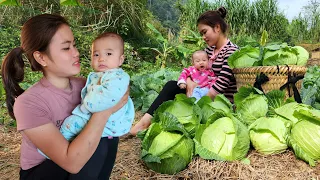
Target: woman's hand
{"points": [[190, 86]]}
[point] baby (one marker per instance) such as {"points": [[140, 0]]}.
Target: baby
{"points": [[200, 73], [104, 88]]}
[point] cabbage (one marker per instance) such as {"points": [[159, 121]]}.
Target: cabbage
{"points": [[165, 151], [245, 57], [303, 55], [222, 138], [184, 109], [269, 135], [208, 108], [305, 135], [279, 55], [287, 110]]}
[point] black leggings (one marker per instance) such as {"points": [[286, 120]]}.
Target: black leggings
{"points": [[98, 167], [168, 92]]}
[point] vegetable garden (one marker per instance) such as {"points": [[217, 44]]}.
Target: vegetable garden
{"points": [[268, 132]]}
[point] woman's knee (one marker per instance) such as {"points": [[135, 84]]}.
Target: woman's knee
{"points": [[170, 86]]}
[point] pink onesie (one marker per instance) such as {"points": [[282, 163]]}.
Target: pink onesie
{"points": [[204, 79]]}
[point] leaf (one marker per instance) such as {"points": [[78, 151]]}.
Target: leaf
{"points": [[69, 3], [276, 98], [243, 93], [264, 38], [158, 34], [170, 123], [246, 161], [9, 3]]}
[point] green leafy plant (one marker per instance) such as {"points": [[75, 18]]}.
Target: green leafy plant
{"points": [[166, 147], [251, 104], [165, 49], [310, 91], [269, 135], [223, 137], [146, 87], [305, 136], [9, 3], [70, 3]]}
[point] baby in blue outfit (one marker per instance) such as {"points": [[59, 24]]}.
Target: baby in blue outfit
{"points": [[104, 88]]}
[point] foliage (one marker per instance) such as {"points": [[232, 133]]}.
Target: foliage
{"points": [[166, 47], [245, 18], [310, 91], [166, 12], [306, 27], [17, 15], [146, 87], [9, 3], [123, 17]]}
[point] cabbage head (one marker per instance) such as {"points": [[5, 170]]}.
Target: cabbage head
{"points": [[269, 135], [184, 109], [252, 108], [224, 138], [251, 104], [279, 55], [245, 57], [209, 107], [303, 55], [286, 111], [165, 151], [305, 135]]}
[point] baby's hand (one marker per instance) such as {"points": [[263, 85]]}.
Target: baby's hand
{"points": [[182, 86]]}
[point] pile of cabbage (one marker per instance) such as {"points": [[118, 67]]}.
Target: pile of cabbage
{"points": [[219, 130], [275, 123], [182, 129], [270, 55]]}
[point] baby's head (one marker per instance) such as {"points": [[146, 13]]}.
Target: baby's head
{"points": [[200, 60], [107, 52]]}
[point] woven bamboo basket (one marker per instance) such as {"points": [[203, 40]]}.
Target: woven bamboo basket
{"points": [[278, 76], [313, 61]]}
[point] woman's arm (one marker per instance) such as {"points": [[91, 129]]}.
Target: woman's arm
{"points": [[72, 156]]}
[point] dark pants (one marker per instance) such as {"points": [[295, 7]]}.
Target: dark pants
{"points": [[168, 92], [98, 167]]}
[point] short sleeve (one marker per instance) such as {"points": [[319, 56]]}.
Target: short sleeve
{"points": [[31, 111]]}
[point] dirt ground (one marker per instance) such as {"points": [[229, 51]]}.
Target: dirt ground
{"points": [[129, 166]]}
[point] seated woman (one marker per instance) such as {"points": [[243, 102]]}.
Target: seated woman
{"points": [[213, 28]]}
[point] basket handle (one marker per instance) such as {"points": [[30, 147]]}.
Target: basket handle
{"points": [[292, 81], [260, 80]]}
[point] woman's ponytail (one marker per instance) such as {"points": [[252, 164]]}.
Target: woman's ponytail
{"points": [[12, 73]]}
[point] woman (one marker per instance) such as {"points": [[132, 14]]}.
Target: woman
{"points": [[49, 45], [213, 29]]}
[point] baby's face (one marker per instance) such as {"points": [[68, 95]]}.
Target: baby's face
{"points": [[200, 61], [106, 54]]}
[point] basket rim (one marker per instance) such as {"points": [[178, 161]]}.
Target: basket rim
{"points": [[283, 69]]}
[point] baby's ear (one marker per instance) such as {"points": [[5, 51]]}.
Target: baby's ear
{"points": [[121, 60]]}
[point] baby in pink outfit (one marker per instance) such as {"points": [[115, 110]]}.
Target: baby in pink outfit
{"points": [[200, 73]]}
